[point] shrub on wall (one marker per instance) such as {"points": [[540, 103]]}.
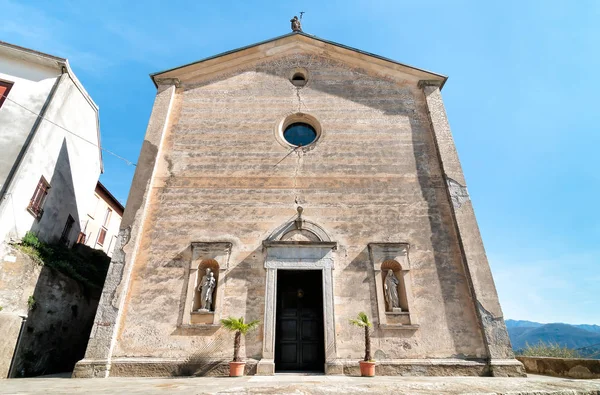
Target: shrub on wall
{"points": [[83, 264], [550, 349]]}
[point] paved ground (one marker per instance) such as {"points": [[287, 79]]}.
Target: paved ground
{"points": [[300, 385]]}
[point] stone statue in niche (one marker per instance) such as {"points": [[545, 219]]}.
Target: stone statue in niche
{"points": [[391, 292], [206, 288]]}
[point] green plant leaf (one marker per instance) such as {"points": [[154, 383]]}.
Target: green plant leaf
{"points": [[362, 320], [237, 324]]}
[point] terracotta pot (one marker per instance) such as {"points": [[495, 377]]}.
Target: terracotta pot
{"points": [[367, 368], [236, 369]]}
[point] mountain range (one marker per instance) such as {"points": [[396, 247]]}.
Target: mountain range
{"points": [[585, 338]]}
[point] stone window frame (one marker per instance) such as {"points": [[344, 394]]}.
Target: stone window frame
{"points": [[216, 256], [388, 255], [298, 117], [299, 72]]}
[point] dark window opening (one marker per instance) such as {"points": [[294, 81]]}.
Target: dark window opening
{"points": [[64, 238], [300, 134], [299, 79], [36, 203]]}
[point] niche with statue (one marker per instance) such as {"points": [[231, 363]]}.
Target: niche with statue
{"points": [[206, 286], [393, 285], [206, 276]]}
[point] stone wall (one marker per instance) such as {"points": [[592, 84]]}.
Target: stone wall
{"points": [[372, 177], [58, 324], [577, 368]]}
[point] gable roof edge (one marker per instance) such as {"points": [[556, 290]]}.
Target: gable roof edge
{"points": [[444, 77], [62, 64]]}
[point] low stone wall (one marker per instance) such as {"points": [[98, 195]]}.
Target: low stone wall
{"points": [[433, 367], [158, 367], [164, 367], [18, 278], [562, 367], [10, 325], [59, 318]]}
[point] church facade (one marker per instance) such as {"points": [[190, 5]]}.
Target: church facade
{"points": [[299, 182]]}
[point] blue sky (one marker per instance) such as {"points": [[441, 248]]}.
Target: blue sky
{"points": [[522, 100]]}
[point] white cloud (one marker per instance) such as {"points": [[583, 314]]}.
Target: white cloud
{"points": [[548, 290], [30, 27]]}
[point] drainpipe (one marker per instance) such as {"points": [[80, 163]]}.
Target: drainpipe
{"points": [[27, 143], [14, 357]]}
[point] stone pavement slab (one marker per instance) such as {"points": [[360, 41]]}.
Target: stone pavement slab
{"points": [[300, 385]]}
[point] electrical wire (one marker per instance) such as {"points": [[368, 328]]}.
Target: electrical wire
{"points": [[128, 162]]}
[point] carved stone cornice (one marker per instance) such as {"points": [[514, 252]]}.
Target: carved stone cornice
{"points": [[168, 81], [424, 83], [219, 251], [299, 264], [306, 244], [381, 252]]}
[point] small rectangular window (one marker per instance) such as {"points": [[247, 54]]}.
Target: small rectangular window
{"points": [[36, 203], [81, 238], [64, 238], [101, 236], [4, 89], [107, 217]]}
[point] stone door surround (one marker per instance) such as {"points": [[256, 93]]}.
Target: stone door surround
{"points": [[297, 255]]}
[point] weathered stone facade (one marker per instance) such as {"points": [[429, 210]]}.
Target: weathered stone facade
{"points": [[377, 187]]}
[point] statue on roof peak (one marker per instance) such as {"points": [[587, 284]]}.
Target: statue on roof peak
{"points": [[296, 26]]}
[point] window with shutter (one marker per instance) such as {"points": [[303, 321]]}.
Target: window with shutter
{"points": [[102, 236], [4, 89], [36, 203], [104, 228]]}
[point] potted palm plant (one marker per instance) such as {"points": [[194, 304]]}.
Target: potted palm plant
{"points": [[367, 366], [237, 325]]}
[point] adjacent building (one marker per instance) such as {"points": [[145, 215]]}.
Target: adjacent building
{"points": [[299, 182], [50, 144], [101, 227], [50, 161]]}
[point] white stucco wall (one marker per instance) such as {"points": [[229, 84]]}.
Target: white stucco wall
{"points": [[70, 164], [31, 86]]}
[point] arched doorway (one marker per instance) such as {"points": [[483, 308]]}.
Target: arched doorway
{"points": [[298, 253]]}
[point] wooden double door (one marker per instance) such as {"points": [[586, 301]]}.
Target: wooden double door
{"points": [[299, 334]]}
